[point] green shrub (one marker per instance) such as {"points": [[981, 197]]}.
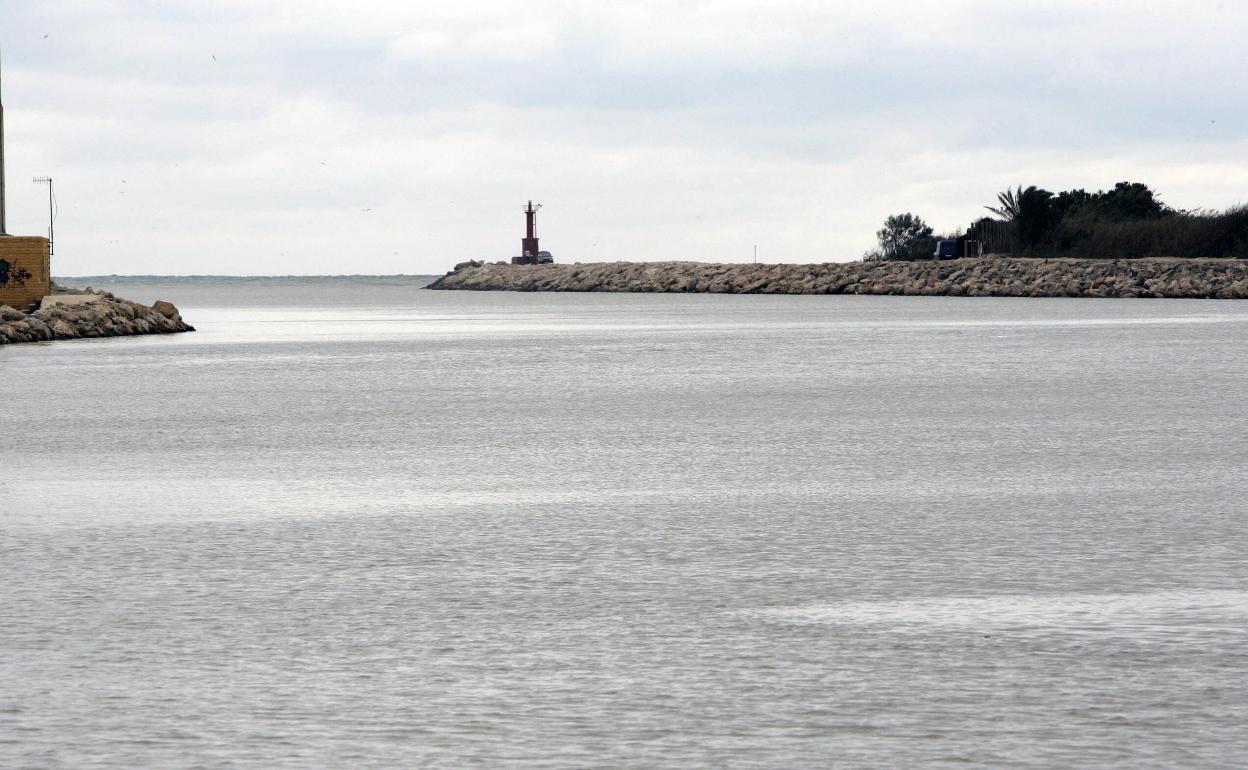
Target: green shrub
{"points": [[1125, 222]]}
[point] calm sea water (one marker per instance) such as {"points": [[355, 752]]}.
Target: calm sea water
{"points": [[351, 523]]}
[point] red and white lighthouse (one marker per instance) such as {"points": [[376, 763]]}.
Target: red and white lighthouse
{"points": [[530, 254]]}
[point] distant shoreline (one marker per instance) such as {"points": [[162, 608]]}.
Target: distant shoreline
{"points": [[976, 277]]}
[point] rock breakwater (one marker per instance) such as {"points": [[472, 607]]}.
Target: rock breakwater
{"points": [[981, 277], [103, 317]]}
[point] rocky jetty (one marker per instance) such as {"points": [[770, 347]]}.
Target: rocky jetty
{"points": [[104, 316], [980, 277]]}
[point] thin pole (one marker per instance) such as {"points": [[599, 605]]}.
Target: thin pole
{"points": [[51, 209], [3, 228], [51, 221]]}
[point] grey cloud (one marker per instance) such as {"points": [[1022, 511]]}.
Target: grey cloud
{"points": [[729, 119]]}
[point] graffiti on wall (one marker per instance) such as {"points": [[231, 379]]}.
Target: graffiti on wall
{"points": [[12, 274]]}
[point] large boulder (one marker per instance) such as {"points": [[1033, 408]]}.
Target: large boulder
{"points": [[166, 309], [63, 329]]}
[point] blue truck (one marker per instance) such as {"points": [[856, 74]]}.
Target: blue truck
{"points": [[948, 249]]}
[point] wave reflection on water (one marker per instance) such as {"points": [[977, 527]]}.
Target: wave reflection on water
{"points": [[1073, 613]]}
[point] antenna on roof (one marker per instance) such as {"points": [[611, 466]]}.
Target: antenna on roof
{"points": [[51, 211]]}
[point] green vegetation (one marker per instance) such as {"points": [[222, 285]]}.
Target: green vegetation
{"points": [[1125, 222], [904, 236]]}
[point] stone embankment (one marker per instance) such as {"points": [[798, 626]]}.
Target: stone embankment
{"points": [[105, 316], [981, 277]]}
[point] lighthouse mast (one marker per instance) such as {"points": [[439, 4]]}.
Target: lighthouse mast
{"points": [[528, 246]]}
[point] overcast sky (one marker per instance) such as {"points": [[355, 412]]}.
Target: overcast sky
{"points": [[319, 137]]}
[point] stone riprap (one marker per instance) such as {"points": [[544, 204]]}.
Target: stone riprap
{"points": [[106, 317], [980, 277]]}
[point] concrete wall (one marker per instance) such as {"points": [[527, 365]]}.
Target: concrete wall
{"points": [[25, 270]]}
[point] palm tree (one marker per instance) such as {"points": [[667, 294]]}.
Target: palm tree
{"points": [[1011, 204]]}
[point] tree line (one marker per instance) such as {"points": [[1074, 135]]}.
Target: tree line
{"points": [[1125, 222]]}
